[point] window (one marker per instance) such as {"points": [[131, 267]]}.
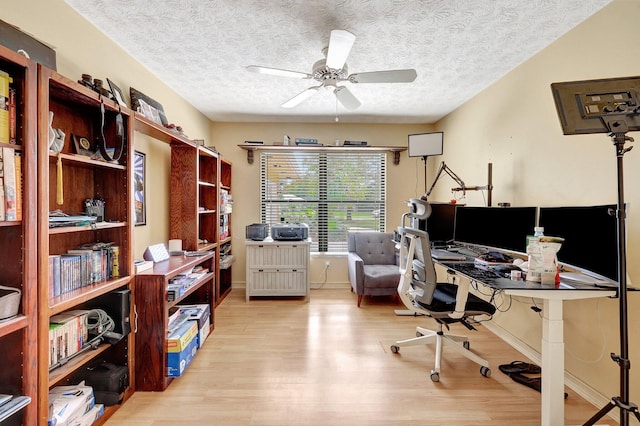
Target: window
{"points": [[331, 192]]}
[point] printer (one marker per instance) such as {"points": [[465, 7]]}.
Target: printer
{"points": [[289, 231]]}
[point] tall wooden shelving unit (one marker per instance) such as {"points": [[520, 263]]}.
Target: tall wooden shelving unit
{"points": [[224, 236], [18, 336], [77, 111], [198, 177], [194, 196]]}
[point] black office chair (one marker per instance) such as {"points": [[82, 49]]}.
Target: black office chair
{"points": [[445, 302]]}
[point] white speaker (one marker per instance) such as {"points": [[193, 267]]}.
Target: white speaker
{"points": [[156, 253]]}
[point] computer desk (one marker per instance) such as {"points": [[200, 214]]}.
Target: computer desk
{"points": [[552, 326]]}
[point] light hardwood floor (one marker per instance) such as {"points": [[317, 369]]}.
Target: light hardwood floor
{"points": [[278, 362]]}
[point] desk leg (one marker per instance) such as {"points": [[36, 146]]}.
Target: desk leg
{"points": [[552, 363]]}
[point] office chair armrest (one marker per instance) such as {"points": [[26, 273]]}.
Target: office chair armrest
{"points": [[461, 299]]}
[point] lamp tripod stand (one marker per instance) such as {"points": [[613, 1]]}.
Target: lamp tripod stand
{"points": [[619, 136]]}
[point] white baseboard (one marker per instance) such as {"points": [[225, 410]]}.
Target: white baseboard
{"points": [[571, 381], [314, 286]]}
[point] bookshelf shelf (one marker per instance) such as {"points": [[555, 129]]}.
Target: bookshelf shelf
{"points": [[207, 246], [13, 325], [95, 227], [67, 301], [192, 289], [10, 223], [57, 375], [83, 160], [156, 131]]}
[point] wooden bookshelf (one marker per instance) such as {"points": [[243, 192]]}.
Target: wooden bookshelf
{"points": [[76, 111], [18, 243], [153, 313], [223, 286]]}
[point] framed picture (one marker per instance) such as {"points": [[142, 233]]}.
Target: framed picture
{"points": [[82, 145], [139, 183], [148, 107], [117, 93]]}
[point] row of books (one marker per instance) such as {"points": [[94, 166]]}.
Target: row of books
{"points": [[68, 334], [83, 266], [224, 226], [10, 184], [7, 109]]}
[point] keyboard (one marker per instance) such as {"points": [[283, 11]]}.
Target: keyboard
{"points": [[442, 254], [471, 271]]}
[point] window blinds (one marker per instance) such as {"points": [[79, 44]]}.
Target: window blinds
{"points": [[331, 192]]}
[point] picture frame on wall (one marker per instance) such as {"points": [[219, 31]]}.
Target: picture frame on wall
{"points": [[148, 107], [117, 93], [139, 188]]}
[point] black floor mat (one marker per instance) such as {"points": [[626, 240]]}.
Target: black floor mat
{"points": [[520, 367], [517, 370]]}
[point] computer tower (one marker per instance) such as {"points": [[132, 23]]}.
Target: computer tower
{"points": [[117, 305]]}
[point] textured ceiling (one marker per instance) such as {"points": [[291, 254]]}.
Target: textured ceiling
{"points": [[200, 48]]}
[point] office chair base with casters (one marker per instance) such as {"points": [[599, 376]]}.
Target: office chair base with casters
{"points": [[460, 344]]}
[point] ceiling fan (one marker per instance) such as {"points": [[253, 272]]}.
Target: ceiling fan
{"points": [[333, 70]]}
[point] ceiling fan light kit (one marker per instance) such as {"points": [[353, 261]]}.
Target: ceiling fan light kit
{"points": [[333, 70]]}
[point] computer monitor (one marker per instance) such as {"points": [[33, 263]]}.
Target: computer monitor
{"points": [[426, 144], [590, 237], [495, 227], [586, 106], [440, 223]]}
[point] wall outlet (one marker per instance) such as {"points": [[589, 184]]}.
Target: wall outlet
{"points": [[327, 264]]}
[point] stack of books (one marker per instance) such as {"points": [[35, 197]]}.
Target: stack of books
{"points": [[11, 404]]}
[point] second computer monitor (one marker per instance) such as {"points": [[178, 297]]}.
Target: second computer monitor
{"points": [[499, 227], [440, 223], [590, 236]]}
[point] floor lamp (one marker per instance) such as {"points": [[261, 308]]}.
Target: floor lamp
{"points": [[607, 106]]}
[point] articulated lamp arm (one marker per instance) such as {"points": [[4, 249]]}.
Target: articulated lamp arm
{"points": [[452, 175]]}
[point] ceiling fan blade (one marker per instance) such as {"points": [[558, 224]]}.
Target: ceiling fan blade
{"points": [[391, 76], [277, 71], [300, 97], [346, 98], [339, 47]]}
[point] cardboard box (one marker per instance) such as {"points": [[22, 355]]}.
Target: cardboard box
{"points": [[201, 315], [182, 337], [177, 362]]}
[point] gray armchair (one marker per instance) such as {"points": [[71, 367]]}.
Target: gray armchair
{"points": [[373, 265]]}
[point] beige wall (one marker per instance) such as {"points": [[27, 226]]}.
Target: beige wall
{"points": [[514, 125], [81, 48]]}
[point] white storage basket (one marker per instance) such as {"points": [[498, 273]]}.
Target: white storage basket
{"points": [[9, 302]]}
